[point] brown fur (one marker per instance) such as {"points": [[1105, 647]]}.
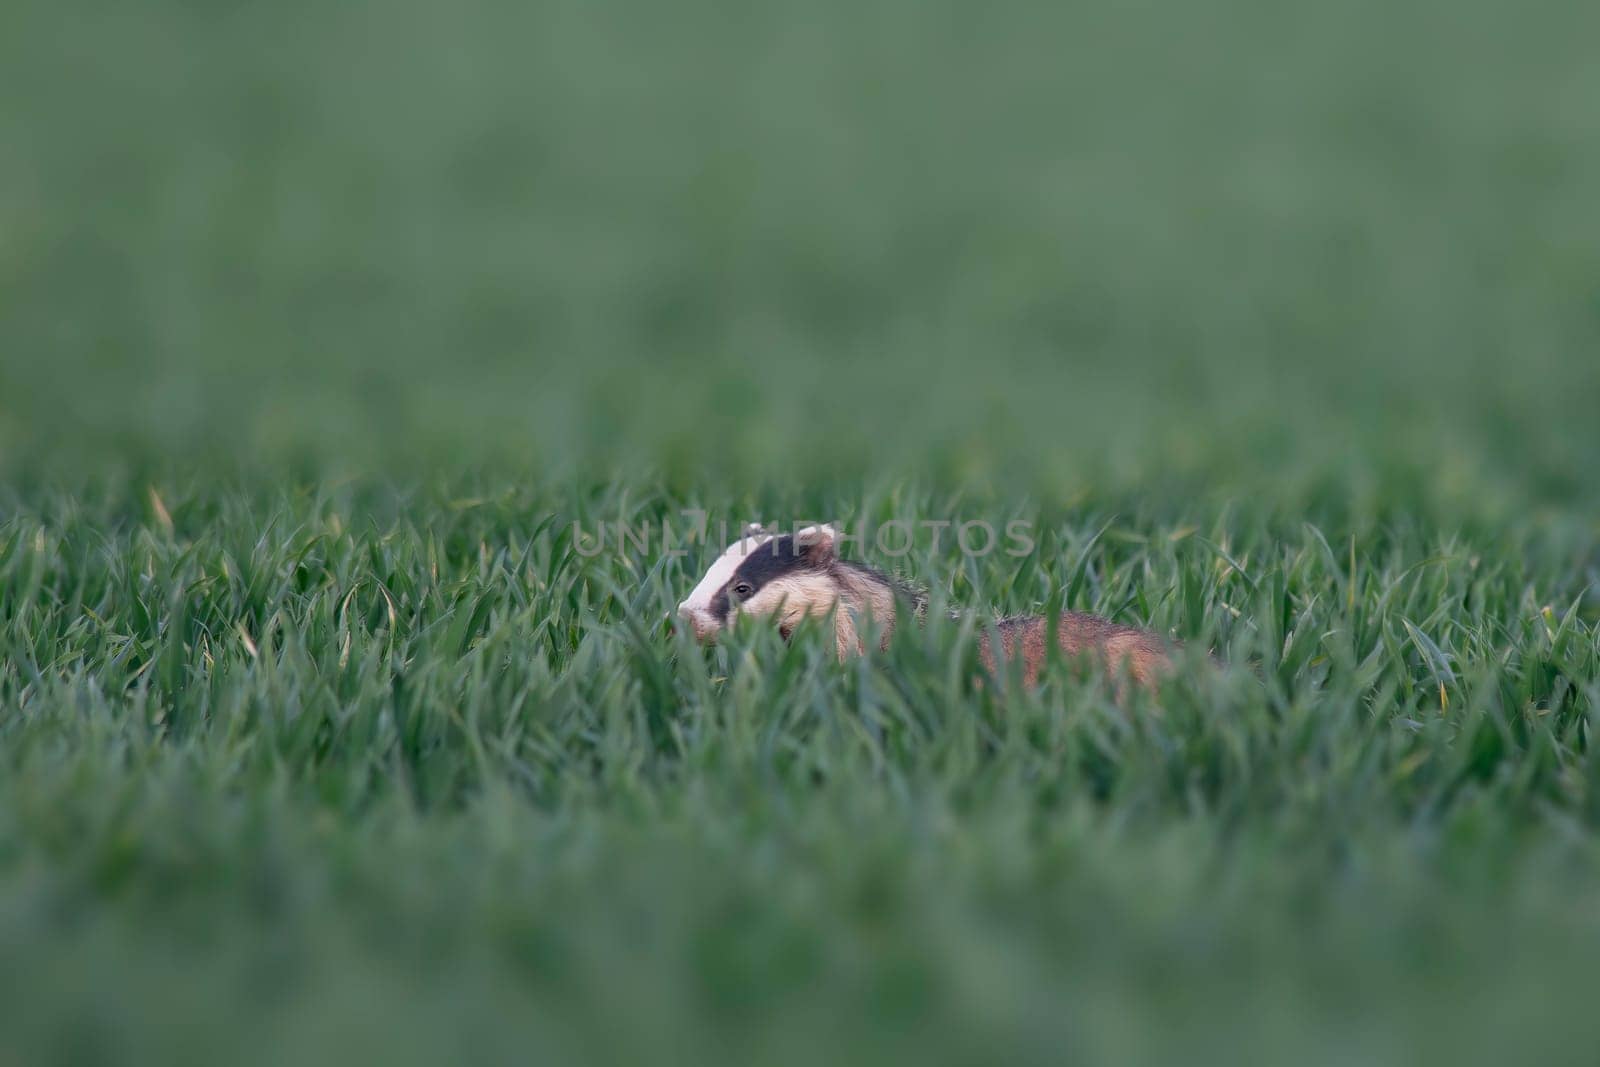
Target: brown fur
{"points": [[853, 594], [857, 593], [1140, 654]]}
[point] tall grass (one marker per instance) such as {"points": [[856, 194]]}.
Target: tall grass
{"points": [[292, 763]]}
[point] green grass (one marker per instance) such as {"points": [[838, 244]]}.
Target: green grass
{"points": [[320, 326], [335, 769]]}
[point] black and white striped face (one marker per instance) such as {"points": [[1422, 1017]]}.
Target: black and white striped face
{"points": [[765, 574]]}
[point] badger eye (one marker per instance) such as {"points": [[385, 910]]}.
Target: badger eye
{"points": [[742, 590]]}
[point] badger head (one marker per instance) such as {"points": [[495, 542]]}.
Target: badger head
{"points": [[766, 575]]}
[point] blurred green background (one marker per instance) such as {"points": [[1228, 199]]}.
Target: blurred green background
{"points": [[1226, 241], [319, 321]]}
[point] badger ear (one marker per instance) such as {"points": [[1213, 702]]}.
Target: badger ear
{"points": [[816, 544], [755, 529]]}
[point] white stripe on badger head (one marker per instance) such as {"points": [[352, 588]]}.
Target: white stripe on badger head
{"points": [[721, 571]]}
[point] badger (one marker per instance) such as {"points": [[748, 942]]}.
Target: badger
{"points": [[790, 577]]}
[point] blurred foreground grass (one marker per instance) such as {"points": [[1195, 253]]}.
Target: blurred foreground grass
{"points": [[321, 324]]}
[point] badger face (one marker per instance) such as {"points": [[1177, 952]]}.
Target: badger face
{"points": [[765, 575]]}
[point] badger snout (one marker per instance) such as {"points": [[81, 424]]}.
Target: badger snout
{"points": [[700, 621]]}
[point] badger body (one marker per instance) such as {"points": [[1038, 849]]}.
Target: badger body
{"points": [[791, 577]]}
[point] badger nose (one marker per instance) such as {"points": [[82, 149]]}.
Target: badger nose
{"points": [[696, 621]]}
